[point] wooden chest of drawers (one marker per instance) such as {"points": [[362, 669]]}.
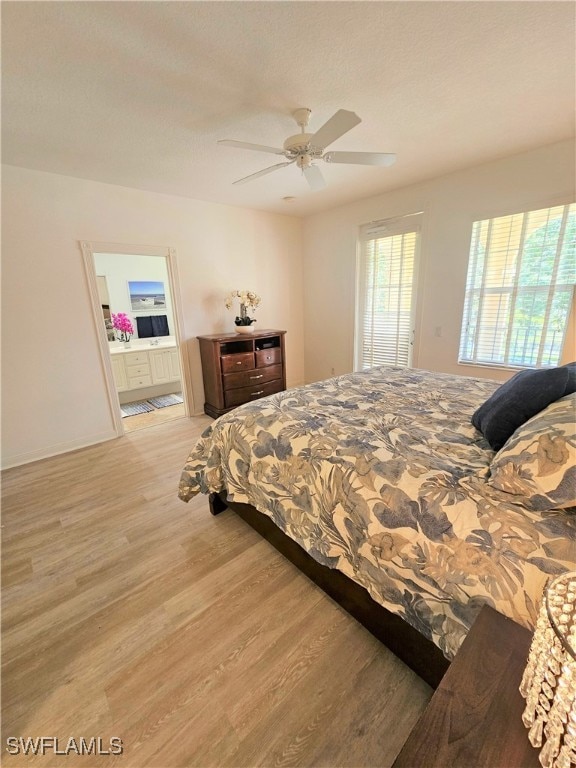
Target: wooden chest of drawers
{"points": [[237, 369]]}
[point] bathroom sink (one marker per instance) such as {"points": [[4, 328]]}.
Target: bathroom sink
{"points": [[163, 344]]}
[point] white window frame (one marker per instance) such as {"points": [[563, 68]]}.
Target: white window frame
{"points": [[400, 225], [510, 288]]}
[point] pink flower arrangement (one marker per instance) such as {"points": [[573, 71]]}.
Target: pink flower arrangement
{"points": [[121, 322]]}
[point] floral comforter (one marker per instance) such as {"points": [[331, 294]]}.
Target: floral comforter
{"points": [[381, 475]]}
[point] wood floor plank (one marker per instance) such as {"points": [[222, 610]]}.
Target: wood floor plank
{"points": [[153, 418], [127, 613], [17, 572], [379, 689]]}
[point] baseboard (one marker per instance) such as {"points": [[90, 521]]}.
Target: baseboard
{"points": [[55, 450]]}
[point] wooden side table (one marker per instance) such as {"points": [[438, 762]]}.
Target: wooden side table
{"points": [[474, 719]]}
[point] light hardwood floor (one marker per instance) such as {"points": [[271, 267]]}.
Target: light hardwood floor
{"points": [[153, 418], [127, 613]]}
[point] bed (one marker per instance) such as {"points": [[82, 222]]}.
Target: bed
{"points": [[379, 482]]}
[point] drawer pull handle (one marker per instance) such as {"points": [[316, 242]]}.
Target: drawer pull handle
{"points": [[260, 392], [239, 362], [257, 377]]}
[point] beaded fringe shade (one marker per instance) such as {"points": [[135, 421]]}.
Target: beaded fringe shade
{"points": [[549, 681]]}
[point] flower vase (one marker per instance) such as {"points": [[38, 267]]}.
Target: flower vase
{"points": [[243, 316], [126, 345]]}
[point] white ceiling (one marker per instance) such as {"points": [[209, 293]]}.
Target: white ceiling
{"points": [[138, 93]]}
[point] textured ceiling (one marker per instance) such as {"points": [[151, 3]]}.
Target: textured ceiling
{"points": [[138, 93]]}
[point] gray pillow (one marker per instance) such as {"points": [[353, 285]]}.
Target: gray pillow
{"points": [[521, 397]]}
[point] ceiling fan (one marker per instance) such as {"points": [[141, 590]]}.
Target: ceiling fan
{"points": [[303, 148]]}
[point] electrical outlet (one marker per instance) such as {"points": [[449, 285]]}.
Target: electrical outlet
{"points": [[438, 331]]}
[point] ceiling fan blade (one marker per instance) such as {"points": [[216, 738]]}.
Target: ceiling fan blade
{"points": [[360, 158], [247, 145], [314, 178], [339, 124], [263, 172]]}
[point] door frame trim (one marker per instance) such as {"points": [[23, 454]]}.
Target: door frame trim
{"points": [[89, 249]]}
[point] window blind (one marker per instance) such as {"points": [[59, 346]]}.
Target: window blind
{"points": [[385, 324], [521, 275]]}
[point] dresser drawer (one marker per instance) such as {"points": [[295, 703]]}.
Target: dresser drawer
{"points": [[136, 358], [249, 378], [242, 361], [233, 397], [135, 382], [272, 356]]}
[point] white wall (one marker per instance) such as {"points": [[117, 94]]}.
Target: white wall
{"points": [[450, 204], [53, 392], [119, 269]]}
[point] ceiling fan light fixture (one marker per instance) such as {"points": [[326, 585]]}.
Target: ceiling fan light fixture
{"points": [[304, 161]]}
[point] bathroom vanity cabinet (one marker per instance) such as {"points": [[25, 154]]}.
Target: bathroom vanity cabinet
{"points": [[139, 368]]}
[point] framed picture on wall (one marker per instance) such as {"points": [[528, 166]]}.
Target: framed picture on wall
{"points": [[146, 295]]}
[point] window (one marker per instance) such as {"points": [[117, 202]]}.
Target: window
{"points": [[521, 276], [387, 268]]}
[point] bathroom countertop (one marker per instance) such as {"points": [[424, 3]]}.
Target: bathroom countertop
{"points": [[141, 347]]}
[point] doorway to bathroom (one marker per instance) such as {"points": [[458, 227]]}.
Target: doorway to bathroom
{"points": [[135, 302]]}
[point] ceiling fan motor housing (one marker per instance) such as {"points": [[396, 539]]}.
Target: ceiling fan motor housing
{"points": [[299, 144]]}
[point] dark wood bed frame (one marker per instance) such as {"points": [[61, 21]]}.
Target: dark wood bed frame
{"points": [[405, 642]]}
